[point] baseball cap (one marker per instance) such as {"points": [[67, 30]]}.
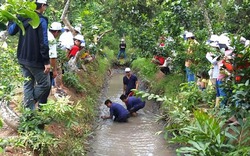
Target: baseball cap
{"points": [[55, 26], [127, 70], [42, 1]]}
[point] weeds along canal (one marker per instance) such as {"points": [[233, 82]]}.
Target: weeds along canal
{"points": [[137, 137]]}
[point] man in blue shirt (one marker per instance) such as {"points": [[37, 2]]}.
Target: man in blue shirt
{"points": [[130, 82], [133, 104], [117, 110]]}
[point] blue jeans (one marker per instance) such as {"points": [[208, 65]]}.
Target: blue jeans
{"points": [[44, 97], [35, 85], [220, 92], [189, 75], [122, 51]]}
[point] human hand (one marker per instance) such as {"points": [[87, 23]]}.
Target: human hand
{"points": [[46, 68], [54, 74]]}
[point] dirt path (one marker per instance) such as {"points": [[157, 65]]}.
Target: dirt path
{"points": [[135, 138]]}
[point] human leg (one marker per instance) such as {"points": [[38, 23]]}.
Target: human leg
{"points": [[28, 88], [190, 75], [137, 107], [43, 83], [119, 54], [44, 97]]}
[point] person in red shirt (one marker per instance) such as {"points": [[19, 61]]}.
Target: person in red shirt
{"points": [[77, 45], [158, 60]]}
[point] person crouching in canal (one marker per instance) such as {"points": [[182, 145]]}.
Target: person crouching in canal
{"points": [[117, 110], [133, 103]]}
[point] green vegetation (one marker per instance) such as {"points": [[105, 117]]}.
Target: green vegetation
{"points": [[192, 120]]}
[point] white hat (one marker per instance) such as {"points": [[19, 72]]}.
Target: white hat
{"points": [[79, 37], [189, 34], [78, 29], [247, 43], [214, 38], [55, 26], [223, 39], [122, 39], [214, 44], [42, 1], [242, 40], [127, 70]]}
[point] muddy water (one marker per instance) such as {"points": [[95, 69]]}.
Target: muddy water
{"points": [[135, 138]]}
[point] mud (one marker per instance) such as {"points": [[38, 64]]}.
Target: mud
{"points": [[137, 137]]}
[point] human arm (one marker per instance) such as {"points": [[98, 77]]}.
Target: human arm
{"points": [[43, 40], [124, 88], [137, 85], [12, 28], [53, 66]]}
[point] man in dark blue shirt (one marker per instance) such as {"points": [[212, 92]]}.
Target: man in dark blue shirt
{"points": [[33, 55], [130, 82], [133, 104], [117, 110]]}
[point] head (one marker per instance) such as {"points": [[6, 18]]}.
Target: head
{"points": [[122, 40], [77, 30], [41, 5], [55, 29], [108, 103], [204, 75], [123, 98], [190, 36], [127, 71], [78, 40]]}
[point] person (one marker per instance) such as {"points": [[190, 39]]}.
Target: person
{"points": [[77, 45], [203, 80], [33, 56], [162, 63], [66, 39], [53, 33], [191, 42], [116, 110], [122, 47], [133, 104], [130, 82]]}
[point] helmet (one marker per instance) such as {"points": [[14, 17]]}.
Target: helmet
{"points": [[55, 26], [79, 37]]}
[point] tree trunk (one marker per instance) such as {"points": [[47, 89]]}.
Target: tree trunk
{"points": [[205, 14], [65, 19], [9, 116]]}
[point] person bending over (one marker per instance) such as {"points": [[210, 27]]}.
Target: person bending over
{"points": [[116, 110], [133, 104]]}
